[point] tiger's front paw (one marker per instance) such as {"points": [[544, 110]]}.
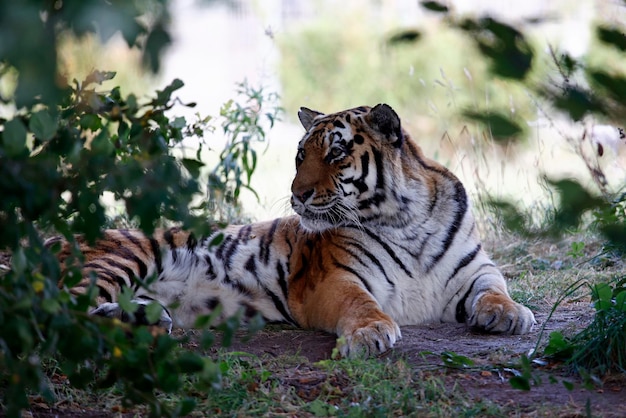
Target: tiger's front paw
{"points": [[370, 340], [498, 313], [139, 317]]}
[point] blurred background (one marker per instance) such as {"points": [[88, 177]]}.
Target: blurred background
{"points": [[330, 55]]}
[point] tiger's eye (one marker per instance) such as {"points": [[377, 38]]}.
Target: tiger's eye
{"points": [[300, 156], [335, 152]]}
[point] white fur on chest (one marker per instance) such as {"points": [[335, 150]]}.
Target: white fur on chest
{"points": [[418, 294]]}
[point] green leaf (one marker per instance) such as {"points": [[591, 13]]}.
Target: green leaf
{"points": [[602, 292], [101, 144], [217, 240], [193, 166], [185, 407], [82, 377], [320, 408], [257, 323], [615, 233], [72, 277], [51, 306], [577, 248], [131, 29], [434, 6], [510, 215], [163, 96], [18, 261], [98, 77], [228, 328], [575, 200], [510, 55], [90, 121], [407, 36], [501, 127], [153, 312], [520, 382], [613, 37], [42, 125], [207, 339], [613, 85], [131, 102], [125, 301], [577, 102], [558, 345], [156, 42], [451, 359], [212, 373], [178, 123], [620, 301], [189, 362], [14, 137]]}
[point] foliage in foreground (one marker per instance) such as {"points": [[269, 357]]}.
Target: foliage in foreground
{"points": [[600, 348], [64, 147], [34, 58], [55, 164]]}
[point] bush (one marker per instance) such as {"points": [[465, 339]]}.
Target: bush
{"points": [[65, 146], [55, 164]]}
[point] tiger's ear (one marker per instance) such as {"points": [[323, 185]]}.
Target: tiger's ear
{"points": [[386, 121], [307, 116]]}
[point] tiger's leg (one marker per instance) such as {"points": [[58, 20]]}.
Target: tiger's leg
{"points": [[344, 307], [139, 317], [488, 306]]}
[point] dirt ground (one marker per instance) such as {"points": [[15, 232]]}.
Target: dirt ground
{"points": [[421, 346], [494, 358]]}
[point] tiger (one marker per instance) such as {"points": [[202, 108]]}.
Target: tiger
{"points": [[381, 238]]}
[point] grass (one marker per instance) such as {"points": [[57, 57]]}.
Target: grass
{"points": [[352, 388], [600, 348], [540, 269]]}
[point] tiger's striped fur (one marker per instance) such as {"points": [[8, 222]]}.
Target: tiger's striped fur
{"points": [[383, 237]]}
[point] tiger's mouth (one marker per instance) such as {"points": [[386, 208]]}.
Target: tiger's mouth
{"points": [[313, 214], [317, 222], [330, 216]]}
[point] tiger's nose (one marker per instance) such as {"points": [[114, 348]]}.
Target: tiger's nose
{"points": [[303, 196]]}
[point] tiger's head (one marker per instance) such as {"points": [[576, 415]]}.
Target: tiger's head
{"points": [[345, 165]]}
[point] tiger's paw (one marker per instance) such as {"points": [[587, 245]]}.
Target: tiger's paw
{"points": [[139, 317], [373, 339], [498, 313]]}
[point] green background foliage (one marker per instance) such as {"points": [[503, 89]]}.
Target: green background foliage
{"points": [[29, 35], [337, 66]]}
